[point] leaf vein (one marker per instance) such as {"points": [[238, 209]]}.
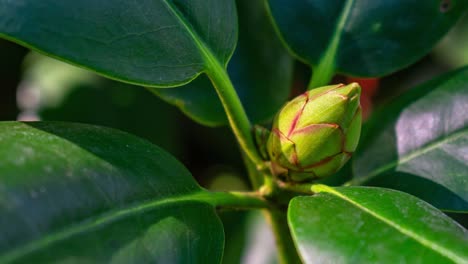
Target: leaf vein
{"points": [[410, 156], [99, 221], [423, 241]]}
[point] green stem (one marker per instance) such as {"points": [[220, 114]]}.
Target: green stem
{"points": [[277, 219], [287, 252], [242, 130], [303, 188], [255, 177], [235, 112], [241, 200], [230, 100], [234, 200]]}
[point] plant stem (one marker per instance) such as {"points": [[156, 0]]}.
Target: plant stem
{"points": [[287, 252], [255, 177], [276, 218], [241, 127], [243, 200], [230, 100], [303, 188], [234, 200], [235, 112]]}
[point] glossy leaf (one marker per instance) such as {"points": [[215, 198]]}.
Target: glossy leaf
{"points": [[74, 193], [452, 51], [260, 69], [198, 100], [373, 225], [418, 144], [153, 43], [363, 38]]}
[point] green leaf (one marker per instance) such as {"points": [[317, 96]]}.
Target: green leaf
{"points": [[452, 51], [86, 194], [373, 225], [260, 69], [197, 100], [418, 144], [152, 43], [363, 38]]}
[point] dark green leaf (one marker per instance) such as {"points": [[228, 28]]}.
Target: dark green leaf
{"points": [[418, 144], [364, 38], [85, 194], [198, 100], [260, 69], [373, 225], [452, 51], [153, 43]]}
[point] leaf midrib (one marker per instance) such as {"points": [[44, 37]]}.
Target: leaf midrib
{"points": [[423, 241], [330, 52], [207, 55], [410, 155], [327, 64], [102, 220], [227, 94]]}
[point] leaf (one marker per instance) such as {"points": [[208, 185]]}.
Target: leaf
{"points": [[197, 100], [154, 43], [451, 50], [418, 144], [373, 225], [363, 38], [86, 194], [260, 69]]}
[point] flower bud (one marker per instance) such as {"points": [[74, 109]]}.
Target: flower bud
{"points": [[314, 135]]}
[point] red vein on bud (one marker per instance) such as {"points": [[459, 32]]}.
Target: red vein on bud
{"points": [[314, 127], [325, 92], [280, 134], [322, 161], [298, 115], [295, 158], [344, 97], [310, 99], [343, 139]]}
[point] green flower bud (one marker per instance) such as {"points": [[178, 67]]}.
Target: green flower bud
{"points": [[314, 135]]}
